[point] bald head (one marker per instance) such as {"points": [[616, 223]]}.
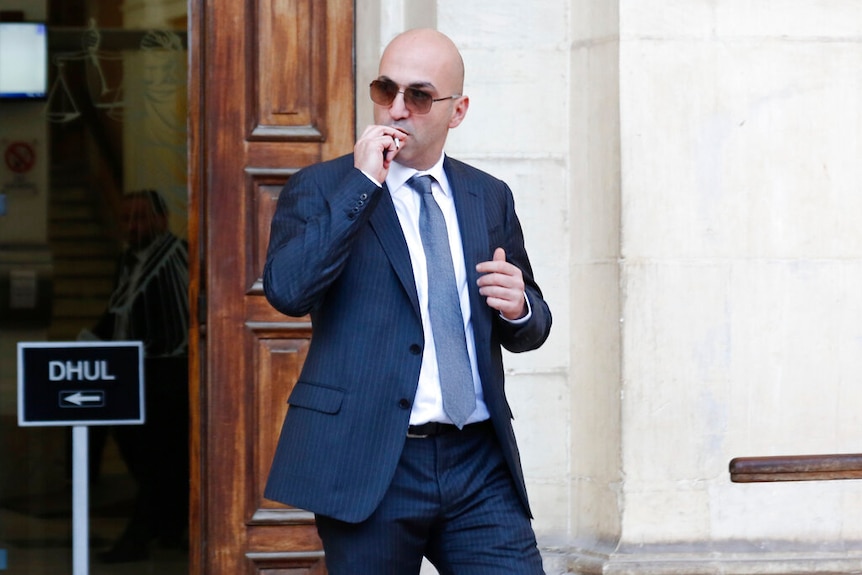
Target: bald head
{"points": [[429, 46]]}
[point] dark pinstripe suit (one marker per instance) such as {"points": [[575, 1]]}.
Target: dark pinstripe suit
{"points": [[337, 252]]}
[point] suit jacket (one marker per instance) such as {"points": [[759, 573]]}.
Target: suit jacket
{"points": [[337, 252]]}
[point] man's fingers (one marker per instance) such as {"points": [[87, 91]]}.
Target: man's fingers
{"points": [[497, 264]]}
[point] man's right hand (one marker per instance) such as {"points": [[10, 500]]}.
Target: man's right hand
{"points": [[376, 149]]}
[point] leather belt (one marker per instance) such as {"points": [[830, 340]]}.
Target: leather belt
{"points": [[433, 428]]}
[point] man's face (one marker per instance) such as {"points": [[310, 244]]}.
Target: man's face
{"points": [[141, 222], [420, 65]]}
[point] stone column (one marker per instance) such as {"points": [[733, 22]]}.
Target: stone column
{"points": [[740, 266]]}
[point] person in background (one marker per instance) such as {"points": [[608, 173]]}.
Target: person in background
{"points": [[412, 265], [150, 304]]}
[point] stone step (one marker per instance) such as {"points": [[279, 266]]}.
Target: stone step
{"points": [[75, 287], [62, 195], [80, 308], [73, 211], [85, 254], [86, 268], [67, 329], [75, 230], [84, 249]]}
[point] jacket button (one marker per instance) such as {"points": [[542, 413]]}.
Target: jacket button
{"points": [[404, 404], [415, 349]]}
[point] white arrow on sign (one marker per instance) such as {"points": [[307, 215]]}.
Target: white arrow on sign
{"points": [[81, 398]]}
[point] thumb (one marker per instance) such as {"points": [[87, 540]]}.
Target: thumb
{"points": [[499, 255]]}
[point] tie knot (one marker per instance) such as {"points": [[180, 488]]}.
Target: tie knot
{"points": [[421, 183]]}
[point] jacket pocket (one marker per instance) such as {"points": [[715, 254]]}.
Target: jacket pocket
{"points": [[317, 397]]}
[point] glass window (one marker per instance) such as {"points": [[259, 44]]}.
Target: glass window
{"points": [[93, 246]]}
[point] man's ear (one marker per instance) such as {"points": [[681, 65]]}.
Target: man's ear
{"points": [[459, 112]]}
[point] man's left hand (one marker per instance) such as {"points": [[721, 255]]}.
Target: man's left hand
{"points": [[502, 284]]}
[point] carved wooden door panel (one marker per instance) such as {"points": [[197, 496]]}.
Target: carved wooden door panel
{"points": [[271, 91]]}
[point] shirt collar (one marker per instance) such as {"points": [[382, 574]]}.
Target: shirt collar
{"points": [[399, 174]]}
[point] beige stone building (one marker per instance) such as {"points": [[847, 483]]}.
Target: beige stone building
{"points": [[689, 178]]}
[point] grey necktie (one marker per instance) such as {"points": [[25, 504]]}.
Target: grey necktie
{"points": [[444, 308]]}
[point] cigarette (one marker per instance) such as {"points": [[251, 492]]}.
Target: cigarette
{"points": [[397, 143]]}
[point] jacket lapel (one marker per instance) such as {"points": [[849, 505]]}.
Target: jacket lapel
{"points": [[384, 222], [471, 217]]}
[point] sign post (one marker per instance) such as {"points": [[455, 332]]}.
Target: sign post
{"points": [[80, 384], [80, 501]]}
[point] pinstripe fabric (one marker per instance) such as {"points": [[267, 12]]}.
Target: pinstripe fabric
{"points": [[337, 252], [453, 500]]}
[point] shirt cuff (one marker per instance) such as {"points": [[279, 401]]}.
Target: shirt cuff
{"points": [[367, 175], [521, 320]]}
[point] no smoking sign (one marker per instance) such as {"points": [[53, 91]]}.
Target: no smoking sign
{"points": [[20, 157]]}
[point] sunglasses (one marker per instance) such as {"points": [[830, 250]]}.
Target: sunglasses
{"points": [[416, 101]]}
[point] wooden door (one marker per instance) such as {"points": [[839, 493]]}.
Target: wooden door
{"points": [[271, 91]]}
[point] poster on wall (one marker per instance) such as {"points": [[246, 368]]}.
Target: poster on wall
{"points": [[18, 165]]}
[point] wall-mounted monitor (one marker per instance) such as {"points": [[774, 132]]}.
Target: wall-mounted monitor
{"points": [[23, 60]]}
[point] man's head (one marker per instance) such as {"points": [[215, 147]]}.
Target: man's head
{"points": [[429, 61], [145, 217]]}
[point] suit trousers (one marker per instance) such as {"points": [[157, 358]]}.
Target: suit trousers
{"points": [[452, 500]]}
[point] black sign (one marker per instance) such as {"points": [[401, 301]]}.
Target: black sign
{"points": [[80, 383]]}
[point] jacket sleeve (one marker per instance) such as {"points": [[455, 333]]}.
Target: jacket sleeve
{"points": [[319, 212], [518, 337]]}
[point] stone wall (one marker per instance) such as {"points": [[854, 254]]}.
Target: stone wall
{"points": [[689, 179]]}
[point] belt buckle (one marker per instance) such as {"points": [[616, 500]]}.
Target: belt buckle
{"points": [[428, 428]]}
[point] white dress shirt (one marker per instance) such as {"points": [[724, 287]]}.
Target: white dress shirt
{"points": [[428, 403]]}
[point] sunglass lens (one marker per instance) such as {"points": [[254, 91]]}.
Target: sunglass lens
{"points": [[382, 92], [417, 101]]}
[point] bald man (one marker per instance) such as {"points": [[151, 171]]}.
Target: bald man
{"points": [[398, 434]]}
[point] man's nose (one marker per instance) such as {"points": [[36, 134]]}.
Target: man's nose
{"points": [[398, 109]]}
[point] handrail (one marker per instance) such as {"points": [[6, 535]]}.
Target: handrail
{"points": [[796, 468]]}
